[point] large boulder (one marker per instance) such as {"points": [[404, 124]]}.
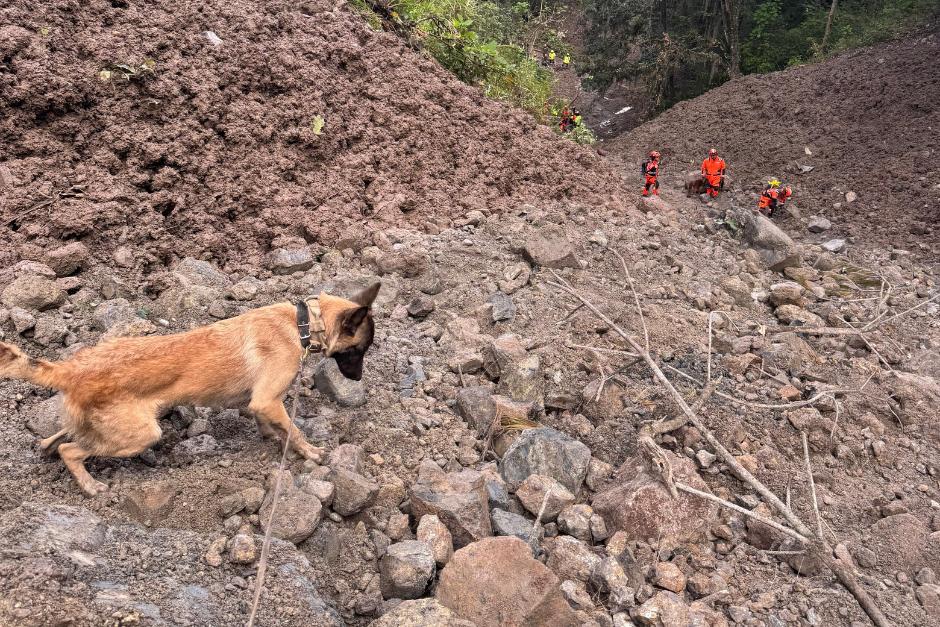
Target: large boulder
{"points": [[496, 582], [458, 499], [639, 504], [549, 247], [545, 451], [775, 248]]}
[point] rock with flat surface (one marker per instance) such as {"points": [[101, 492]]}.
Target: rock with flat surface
{"points": [[818, 225], [353, 491], [834, 245], [638, 503], [545, 451], [33, 293], [420, 613], [775, 248], [331, 383], [406, 569], [284, 261], [665, 609], [458, 499], [538, 491], [496, 582], [509, 524], [435, 534], [298, 513], [68, 259], [549, 247], [570, 558]]}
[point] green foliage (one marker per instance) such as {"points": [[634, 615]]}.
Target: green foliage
{"points": [[483, 43], [682, 48], [581, 134]]}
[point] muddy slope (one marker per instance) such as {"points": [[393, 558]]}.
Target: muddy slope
{"points": [[214, 147], [866, 121]]}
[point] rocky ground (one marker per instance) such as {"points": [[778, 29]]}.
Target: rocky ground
{"points": [[486, 470], [416, 487]]}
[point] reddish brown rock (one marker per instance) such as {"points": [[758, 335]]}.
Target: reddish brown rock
{"points": [[496, 582], [640, 504]]}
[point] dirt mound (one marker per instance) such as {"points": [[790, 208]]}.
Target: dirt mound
{"points": [[866, 121], [200, 143]]}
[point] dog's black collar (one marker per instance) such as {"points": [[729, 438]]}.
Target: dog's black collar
{"points": [[310, 327]]}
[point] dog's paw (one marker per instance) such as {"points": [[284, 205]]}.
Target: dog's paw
{"points": [[313, 453], [93, 488]]}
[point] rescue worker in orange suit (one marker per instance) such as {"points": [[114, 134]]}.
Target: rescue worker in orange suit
{"points": [[650, 169], [773, 198], [566, 120], [713, 169]]}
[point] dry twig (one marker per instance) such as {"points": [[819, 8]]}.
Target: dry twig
{"points": [[820, 546]]}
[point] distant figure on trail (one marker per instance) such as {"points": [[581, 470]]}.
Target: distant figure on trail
{"points": [[713, 169], [576, 117], [650, 169], [773, 197], [566, 61], [566, 120], [551, 57]]}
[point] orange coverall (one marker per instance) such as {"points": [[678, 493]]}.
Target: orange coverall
{"points": [[713, 169]]}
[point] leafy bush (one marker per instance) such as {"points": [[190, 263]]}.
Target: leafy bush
{"points": [[483, 43]]}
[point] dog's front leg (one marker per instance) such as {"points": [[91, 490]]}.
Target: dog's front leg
{"points": [[273, 414]]}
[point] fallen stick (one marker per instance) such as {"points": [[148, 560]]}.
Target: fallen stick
{"points": [[824, 550], [636, 299], [812, 484]]}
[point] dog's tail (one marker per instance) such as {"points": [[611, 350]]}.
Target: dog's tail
{"points": [[15, 364]]}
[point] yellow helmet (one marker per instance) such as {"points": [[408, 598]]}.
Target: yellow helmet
{"points": [[774, 183]]}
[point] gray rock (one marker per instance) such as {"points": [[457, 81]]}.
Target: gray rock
{"points": [[818, 225], [23, 321], [509, 524], [298, 513], [283, 261], [331, 383], [406, 569], [353, 491], [421, 306], [834, 245], [245, 290], [199, 272], [549, 247], [575, 520], [193, 447], [112, 312], [458, 499], [850, 197], [545, 451], [45, 418], [523, 381], [348, 457], [33, 293], [775, 248], [67, 259], [475, 405], [49, 330], [503, 307]]}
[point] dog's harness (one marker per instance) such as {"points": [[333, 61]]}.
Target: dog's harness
{"points": [[310, 326]]}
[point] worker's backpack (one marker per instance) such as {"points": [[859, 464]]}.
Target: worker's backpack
{"points": [[643, 167]]}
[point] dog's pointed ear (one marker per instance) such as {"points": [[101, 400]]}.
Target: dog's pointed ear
{"points": [[367, 296], [352, 318]]}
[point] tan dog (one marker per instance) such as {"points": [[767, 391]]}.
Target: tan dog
{"points": [[114, 393]]}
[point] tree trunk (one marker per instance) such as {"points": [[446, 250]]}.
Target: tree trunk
{"points": [[832, 12], [732, 18]]}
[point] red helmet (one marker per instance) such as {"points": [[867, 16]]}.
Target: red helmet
{"points": [[712, 152], [654, 154]]}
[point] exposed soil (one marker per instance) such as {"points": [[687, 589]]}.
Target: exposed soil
{"points": [[213, 151], [213, 157], [867, 121]]}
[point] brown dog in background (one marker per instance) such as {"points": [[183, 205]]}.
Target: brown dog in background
{"points": [[114, 393]]}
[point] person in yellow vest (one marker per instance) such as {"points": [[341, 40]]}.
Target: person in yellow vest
{"points": [[566, 60], [576, 117], [551, 57]]}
